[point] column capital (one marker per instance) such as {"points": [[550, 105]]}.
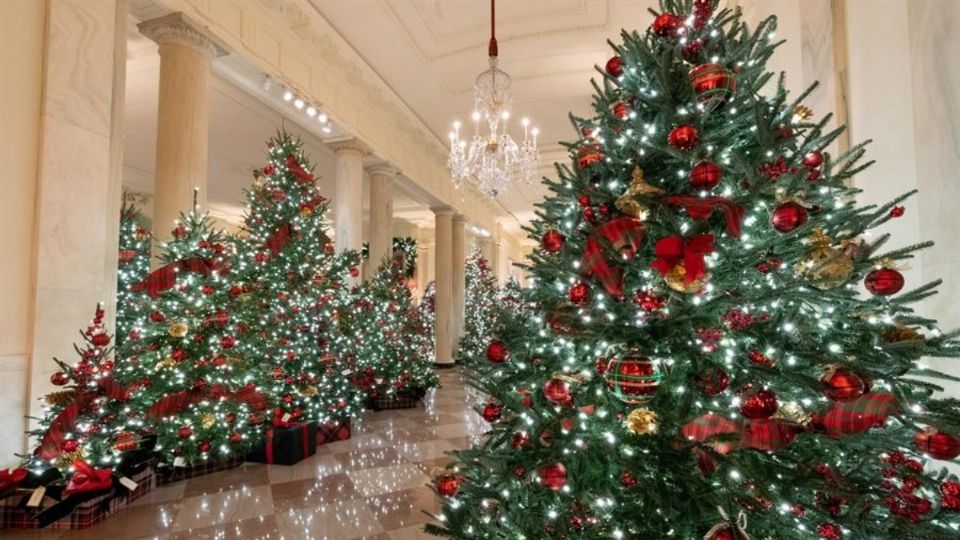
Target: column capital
{"points": [[442, 210], [176, 28], [459, 218], [350, 147], [383, 169]]}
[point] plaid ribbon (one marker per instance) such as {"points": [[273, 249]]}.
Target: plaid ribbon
{"points": [[768, 434], [671, 250], [173, 403], [859, 415], [165, 277], [297, 170], [624, 235], [703, 207], [64, 422], [278, 240]]}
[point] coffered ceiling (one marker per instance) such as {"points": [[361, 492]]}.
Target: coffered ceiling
{"points": [[430, 51]]}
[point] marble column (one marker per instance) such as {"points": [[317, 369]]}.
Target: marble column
{"points": [[443, 250], [459, 256], [424, 255], [381, 216], [348, 200], [182, 117]]}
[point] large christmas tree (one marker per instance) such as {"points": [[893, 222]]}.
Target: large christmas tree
{"points": [[427, 311], [133, 265], [708, 366], [290, 283], [480, 309]]}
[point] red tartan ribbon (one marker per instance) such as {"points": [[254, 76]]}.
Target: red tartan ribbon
{"points": [[702, 207], [63, 423], [278, 240], [11, 478], [849, 417], [767, 434], [297, 170], [251, 396], [86, 479], [112, 389], [172, 404], [624, 234], [165, 277], [673, 249]]}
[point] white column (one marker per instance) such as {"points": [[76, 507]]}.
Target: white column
{"points": [[424, 252], [381, 216], [459, 255], [444, 302], [348, 200], [182, 117]]}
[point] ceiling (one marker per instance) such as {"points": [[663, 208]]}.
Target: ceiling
{"points": [[430, 51]]}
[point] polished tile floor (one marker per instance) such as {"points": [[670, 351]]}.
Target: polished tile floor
{"points": [[372, 486]]}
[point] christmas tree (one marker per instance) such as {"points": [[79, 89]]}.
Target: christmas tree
{"points": [[427, 310], [291, 283], [481, 310], [510, 300], [708, 366], [184, 368], [390, 350], [133, 266]]}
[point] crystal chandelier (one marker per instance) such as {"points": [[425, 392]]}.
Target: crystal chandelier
{"points": [[491, 159]]}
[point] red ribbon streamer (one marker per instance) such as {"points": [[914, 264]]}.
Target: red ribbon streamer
{"points": [[767, 434], [297, 170], [10, 478], [176, 402], [278, 240], [165, 277], [624, 234], [87, 479], [673, 249], [52, 440], [702, 207], [859, 415]]}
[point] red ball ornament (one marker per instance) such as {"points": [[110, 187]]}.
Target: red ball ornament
{"points": [[558, 392], [760, 405], [666, 24], [788, 216], [713, 84], [843, 384], [884, 281], [59, 378], [705, 176], [157, 317], [448, 485], [683, 137], [614, 66], [829, 531], [354, 272], [184, 432], [100, 340], [552, 241], [228, 342], [714, 381], [70, 445], [937, 444], [203, 447], [897, 211], [492, 412], [579, 294], [620, 110], [236, 437], [497, 352], [813, 159], [726, 533], [633, 378], [553, 477]]}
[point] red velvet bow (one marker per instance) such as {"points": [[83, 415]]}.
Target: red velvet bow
{"points": [[165, 277], [86, 479], [10, 478], [673, 249], [625, 235], [702, 207]]}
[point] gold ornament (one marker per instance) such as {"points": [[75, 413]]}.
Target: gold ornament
{"points": [[66, 459], [642, 422], [900, 332], [676, 280], [166, 363], [824, 266], [794, 413], [571, 378], [628, 204], [178, 330], [801, 113], [207, 420], [61, 398], [306, 212], [309, 390]]}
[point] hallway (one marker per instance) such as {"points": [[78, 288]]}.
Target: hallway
{"points": [[372, 486]]}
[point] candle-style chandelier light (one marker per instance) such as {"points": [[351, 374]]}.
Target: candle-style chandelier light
{"points": [[491, 159]]}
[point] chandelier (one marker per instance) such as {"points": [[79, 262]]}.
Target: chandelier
{"points": [[491, 158]]}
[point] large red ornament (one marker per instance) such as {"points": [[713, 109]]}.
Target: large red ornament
{"points": [[620, 110], [760, 405], [448, 485], [829, 531], [633, 378], [557, 391], [713, 84], [492, 412], [843, 384], [714, 381], [59, 378], [884, 281], [937, 444], [185, 432], [683, 137], [666, 24], [70, 445], [552, 241], [614, 66], [705, 175], [580, 294], [813, 159], [553, 477], [497, 352], [788, 216]]}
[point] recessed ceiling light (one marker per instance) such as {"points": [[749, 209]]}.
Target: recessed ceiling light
{"points": [[287, 94], [298, 103]]}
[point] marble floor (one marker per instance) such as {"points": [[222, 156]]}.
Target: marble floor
{"points": [[372, 486]]}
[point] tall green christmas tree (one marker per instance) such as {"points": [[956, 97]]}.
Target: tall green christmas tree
{"points": [[133, 265], [708, 366], [184, 369], [292, 286], [427, 310], [480, 309]]}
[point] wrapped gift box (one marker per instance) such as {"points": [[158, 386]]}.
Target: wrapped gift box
{"points": [[286, 445], [333, 431]]}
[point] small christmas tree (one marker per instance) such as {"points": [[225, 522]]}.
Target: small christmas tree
{"points": [[427, 308], [480, 311], [510, 300], [292, 285], [706, 364], [184, 368], [133, 266]]}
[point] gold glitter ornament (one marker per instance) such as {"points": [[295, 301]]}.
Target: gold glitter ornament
{"points": [[801, 113], [207, 420], [676, 280], [66, 459], [642, 422], [178, 330], [309, 391], [794, 413], [628, 203], [824, 266], [166, 363], [306, 212]]}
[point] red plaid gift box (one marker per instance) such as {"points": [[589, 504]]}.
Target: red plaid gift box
{"points": [[333, 431], [169, 474]]}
